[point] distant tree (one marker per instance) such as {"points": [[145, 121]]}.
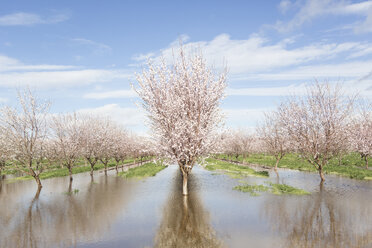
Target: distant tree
{"points": [[274, 137], [121, 148], [90, 140], [5, 151], [25, 130], [360, 132], [107, 132], [66, 142], [316, 123], [182, 102]]}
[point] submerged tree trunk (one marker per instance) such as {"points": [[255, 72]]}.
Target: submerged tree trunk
{"points": [[321, 174], [184, 183], [37, 179], [35, 176], [276, 164], [70, 172]]}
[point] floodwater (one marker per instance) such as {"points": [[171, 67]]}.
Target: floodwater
{"points": [[114, 212]]}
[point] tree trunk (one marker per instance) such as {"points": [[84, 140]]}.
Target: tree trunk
{"points": [[276, 164], [366, 159], [321, 174], [70, 172], [184, 185], [70, 186], [37, 179]]}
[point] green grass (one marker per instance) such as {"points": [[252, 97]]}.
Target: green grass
{"points": [[61, 172], [351, 164], [280, 189], [75, 191], [146, 170], [276, 189], [233, 170], [252, 189]]}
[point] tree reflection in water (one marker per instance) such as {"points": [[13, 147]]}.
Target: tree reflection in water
{"points": [[185, 222], [320, 220], [64, 220]]}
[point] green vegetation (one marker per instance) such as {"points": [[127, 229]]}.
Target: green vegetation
{"points": [[276, 189], [233, 170], [252, 189], [280, 189], [146, 170], [61, 172], [75, 191], [351, 164]]}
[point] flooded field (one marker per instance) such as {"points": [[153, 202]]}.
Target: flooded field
{"points": [[109, 211]]}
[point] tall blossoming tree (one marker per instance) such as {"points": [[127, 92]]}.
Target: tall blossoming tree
{"points": [[25, 130], [316, 123], [182, 101]]}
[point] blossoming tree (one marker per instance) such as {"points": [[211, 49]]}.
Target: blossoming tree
{"points": [[182, 101], [316, 123]]}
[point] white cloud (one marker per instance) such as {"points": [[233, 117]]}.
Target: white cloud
{"points": [[15, 73], [256, 54], [11, 64], [98, 48], [284, 5], [29, 19], [247, 117], [312, 9], [111, 94], [342, 71], [268, 91], [133, 117], [60, 78]]}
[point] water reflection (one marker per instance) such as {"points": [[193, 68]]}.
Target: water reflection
{"points": [[63, 219], [320, 220], [185, 222]]}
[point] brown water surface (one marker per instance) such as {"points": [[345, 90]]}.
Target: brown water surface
{"points": [[114, 212]]}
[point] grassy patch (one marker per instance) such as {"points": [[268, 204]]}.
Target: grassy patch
{"points": [[233, 170], [276, 189], [280, 189], [61, 172], [146, 170], [252, 189], [75, 191], [351, 164]]}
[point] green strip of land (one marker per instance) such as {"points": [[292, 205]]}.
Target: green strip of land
{"points": [[61, 172], [233, 170], [351, 164], [146, 170], [274, 188]]}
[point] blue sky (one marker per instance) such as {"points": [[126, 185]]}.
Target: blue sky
{"points": [[82, 55]]}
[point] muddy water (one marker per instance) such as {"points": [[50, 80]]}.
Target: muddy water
{"points": [[113, 212]]}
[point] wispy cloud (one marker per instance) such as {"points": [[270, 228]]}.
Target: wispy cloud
{"points": [[98, 48], [11, 64], [268, 91], [111, 94], [312, 9], [29, 19], [66, 78], [15, 73], [257, 54], [133, 117]]}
